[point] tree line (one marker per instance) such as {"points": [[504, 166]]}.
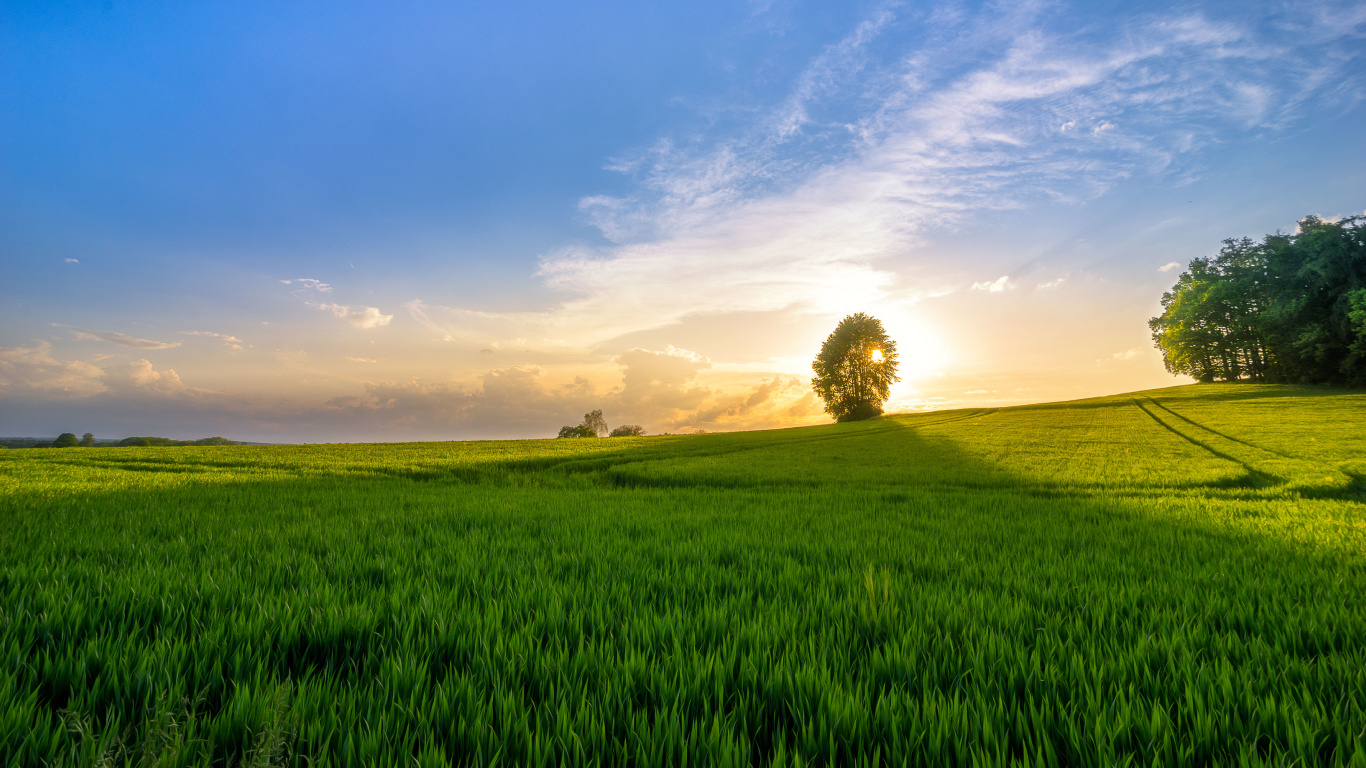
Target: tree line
{"points": [[594, 424], [1290, 308], [69, 440]]}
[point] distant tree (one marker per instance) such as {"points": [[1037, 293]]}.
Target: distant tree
{"points": [[594, 421], [628, 430], [855, 369], [88, 439], [65, 440], [594, 425]]}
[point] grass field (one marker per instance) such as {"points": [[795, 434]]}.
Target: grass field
{"points": [[1172, 577]]}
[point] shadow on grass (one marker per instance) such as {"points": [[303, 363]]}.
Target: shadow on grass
{"points": [[225, 595]]}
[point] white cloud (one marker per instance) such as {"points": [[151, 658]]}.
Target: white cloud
{"points": [[995, 286], [124, 340], [362, 360], [306, 283], [361, 317], [1169, 266], [1055, 282], [33, 370], [72, 261], [231, 342], [140, 375]]}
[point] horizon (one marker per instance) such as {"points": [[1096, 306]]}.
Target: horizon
{"points": [[312, 225]]}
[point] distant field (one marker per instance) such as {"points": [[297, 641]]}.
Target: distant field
{"points": [[1172, 577]]}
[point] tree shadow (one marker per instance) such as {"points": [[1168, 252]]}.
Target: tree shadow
{"points": [[719, 583]]}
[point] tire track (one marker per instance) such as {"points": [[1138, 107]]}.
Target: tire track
{"points": [[1303, 476], [1211, 430], [1207, 447]]}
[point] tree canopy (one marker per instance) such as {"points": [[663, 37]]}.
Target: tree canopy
{"points": [[593, 425], [855, 369], [1291, 308]]}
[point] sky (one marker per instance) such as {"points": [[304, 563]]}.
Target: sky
{"points": [[334, 222]]}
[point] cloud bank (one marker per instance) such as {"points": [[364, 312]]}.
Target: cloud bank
{"points": [[658, 388]]}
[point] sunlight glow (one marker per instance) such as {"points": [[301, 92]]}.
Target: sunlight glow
{"points": [[877, 355]]}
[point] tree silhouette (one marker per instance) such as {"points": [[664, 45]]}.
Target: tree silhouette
{"points": [[855, 369], [594, 421], [594, 425]]}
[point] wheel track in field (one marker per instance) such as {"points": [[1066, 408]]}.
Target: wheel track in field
{"points": [[1211, 430], [1304, 476], [1203, 445]]}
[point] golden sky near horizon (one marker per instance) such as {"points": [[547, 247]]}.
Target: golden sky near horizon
{"points": [[367, 225]]}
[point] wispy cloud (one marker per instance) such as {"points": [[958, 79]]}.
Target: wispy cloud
{"points": [[994, 286], [123, 340], [1119, 357], [362, 360], [1169, 266], [231, 342], [361, 317], [986, 116], [72, 261], [308, 283]]}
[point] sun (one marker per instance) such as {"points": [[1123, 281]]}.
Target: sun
{"points": [[876, 355]]}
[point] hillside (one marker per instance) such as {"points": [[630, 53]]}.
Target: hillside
{"points": [[1171, 576]]}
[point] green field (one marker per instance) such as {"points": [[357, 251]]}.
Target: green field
{"points": [[1172, 577]]}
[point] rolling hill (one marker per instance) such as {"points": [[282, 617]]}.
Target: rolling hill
{"points": [[1171, 576]]}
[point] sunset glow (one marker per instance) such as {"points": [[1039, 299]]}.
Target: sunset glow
{"points": [[328, 224]]}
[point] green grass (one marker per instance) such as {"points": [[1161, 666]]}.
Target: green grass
{"points": [[1172, 577]]}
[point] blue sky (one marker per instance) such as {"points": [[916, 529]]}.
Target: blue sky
{"points": [[493, 217]]}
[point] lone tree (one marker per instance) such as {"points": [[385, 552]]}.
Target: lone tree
{"points": [[593, 426], [855, 369], [65, 440]]}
